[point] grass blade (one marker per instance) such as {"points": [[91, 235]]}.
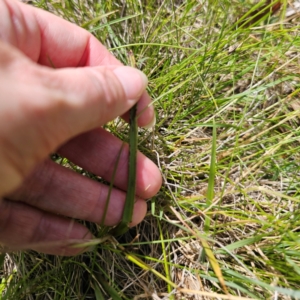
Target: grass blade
{"points": [[107, 288], [211, 179], [122, 227]]}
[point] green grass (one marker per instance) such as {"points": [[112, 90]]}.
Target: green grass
{"points": [[237, 192]]}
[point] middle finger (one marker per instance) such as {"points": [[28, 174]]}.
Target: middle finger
{"points": [[58, 190]]}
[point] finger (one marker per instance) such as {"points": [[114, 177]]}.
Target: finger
{"points": [[97, 151], [59, 105], [52, 41], [24, 225], [48, 39], [59, 190]]}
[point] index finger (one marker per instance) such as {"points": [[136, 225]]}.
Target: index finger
{"points": [[43, 36]]}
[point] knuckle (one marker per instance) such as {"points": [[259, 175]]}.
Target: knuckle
{"points": [[32, 190]]}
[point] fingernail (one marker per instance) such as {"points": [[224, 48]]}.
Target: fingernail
{"points": [[152, 123], [134, 82]]}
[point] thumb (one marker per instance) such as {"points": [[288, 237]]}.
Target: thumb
{"points": [[45, 108], [90, 97]]}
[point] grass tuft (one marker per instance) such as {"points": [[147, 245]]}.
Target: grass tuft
{"points": [[225, 85]]}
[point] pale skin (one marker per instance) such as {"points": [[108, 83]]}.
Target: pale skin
{"points": [[45, 110]]}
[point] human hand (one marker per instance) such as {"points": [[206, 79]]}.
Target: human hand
{"points": [[45, 110]]}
